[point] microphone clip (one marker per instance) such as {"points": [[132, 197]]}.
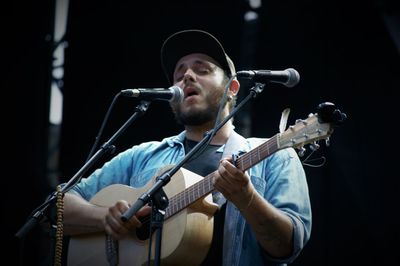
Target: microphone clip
{"points": [[257, 88]]}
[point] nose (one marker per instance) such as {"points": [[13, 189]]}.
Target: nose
{"points": [[189, 75]]}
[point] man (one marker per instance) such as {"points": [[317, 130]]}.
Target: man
{"points": [[264, 214]]}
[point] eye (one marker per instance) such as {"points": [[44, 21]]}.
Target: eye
{"points": [[178, 75], [178, 78], [202, 70]]}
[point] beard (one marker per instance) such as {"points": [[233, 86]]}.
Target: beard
{"points": [[197, 117]]}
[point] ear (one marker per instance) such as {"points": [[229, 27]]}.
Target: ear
{"points": [[235, 86]]}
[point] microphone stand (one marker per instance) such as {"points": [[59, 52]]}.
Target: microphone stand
{"points": [[156, 195], [38, 213]]}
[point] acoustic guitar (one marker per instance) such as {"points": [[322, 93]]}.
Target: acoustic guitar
{"points": [[188, 220]]}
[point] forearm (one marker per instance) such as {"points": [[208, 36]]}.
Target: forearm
{"points": [[273, 229], [81, 216]]}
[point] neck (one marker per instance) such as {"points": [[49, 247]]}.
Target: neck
{"points": [[196, 133]]}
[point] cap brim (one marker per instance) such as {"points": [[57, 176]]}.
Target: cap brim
{"points": [[187, 42]]}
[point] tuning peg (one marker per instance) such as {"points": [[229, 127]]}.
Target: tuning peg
{"points": [[301, 151], [327, 142], [327, 112], [314, 146], [301, 121]]}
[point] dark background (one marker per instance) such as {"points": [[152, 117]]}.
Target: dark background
{"points": [[346, 52]]}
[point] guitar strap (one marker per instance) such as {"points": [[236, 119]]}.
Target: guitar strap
{"points": [[208, 160], [284, 118], [214, 256], [111, 251], [205, 163]]}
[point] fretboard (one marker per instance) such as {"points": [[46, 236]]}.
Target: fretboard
{"points": [[184, 198], [257, 154]]}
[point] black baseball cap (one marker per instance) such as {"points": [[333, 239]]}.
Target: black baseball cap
{"points": [[191, 41]]}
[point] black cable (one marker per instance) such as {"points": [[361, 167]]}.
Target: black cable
{"points": [[217, 120], [98, 136]]}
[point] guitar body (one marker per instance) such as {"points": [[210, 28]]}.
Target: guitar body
{"points": [[186, 232]]}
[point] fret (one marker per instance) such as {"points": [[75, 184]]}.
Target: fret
{"points": [[249, 157], [204, 186], [188, 195], [184, 198], [253, 155]]}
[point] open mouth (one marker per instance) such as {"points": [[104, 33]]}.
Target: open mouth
{"points": [[190, 92]]}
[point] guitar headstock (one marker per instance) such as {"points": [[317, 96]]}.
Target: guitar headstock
{"points": [[316, 127]]}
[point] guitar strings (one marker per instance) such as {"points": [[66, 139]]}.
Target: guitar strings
{"points": [[181, 200], [253, 156]]}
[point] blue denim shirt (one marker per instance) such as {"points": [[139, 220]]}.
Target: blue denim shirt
{"points": [[280, 179]]}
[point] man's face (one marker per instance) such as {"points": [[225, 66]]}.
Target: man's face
{"points": [[203, 83]]}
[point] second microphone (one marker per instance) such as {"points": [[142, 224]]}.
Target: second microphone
{"points": [[288, 77]]}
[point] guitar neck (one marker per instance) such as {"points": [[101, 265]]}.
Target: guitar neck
{"points": [[258, 154], [188, 196], [200, 189]]}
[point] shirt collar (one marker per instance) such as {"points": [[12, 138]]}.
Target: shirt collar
{"points": [[178, 139], [235, 144]]}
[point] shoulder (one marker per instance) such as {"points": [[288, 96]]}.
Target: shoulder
{"points": [[256, 141], [153, 146], [285, 153]]}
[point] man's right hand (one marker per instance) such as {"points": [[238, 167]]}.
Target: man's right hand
{"points": [[115, 227]]}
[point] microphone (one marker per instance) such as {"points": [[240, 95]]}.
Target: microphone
{"points": [[172, 94], [288, 77]]}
